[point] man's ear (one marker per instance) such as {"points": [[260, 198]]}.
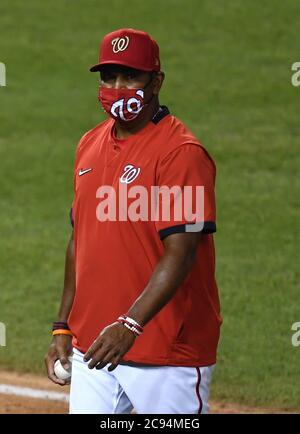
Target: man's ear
{"points": [[158, 81]]}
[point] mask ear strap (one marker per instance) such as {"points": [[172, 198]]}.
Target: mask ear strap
{"points": [[150, 81], [148, 102]]}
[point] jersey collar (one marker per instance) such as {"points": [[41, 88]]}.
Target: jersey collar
{"points": [[162, 112]]}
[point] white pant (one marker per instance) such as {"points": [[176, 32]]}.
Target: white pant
{"points": [[152, 390]]}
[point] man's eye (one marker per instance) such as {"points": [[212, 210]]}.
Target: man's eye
{"points": [[132, 76], [107, 77]]}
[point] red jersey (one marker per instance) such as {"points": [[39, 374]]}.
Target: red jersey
{"points": [[116, 256]]}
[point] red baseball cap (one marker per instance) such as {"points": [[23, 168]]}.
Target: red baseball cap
{"points": [[129, 47]]}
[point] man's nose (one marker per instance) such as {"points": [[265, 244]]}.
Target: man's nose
{"points": [[120, 82]]}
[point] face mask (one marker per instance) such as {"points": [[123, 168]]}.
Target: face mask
{"points": [[123, 104]]}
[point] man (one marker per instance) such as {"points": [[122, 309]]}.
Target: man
{"points": [[144, 319]]}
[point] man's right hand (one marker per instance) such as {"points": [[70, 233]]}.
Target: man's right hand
{"points": [[60, 348]]}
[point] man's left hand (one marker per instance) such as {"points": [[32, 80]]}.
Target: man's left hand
{"points": [[109, 347]]}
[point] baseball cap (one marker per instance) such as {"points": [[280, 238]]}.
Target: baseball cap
{"points": [[129, 47]]}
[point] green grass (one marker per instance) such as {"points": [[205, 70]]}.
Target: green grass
{"points": [[228, 69]]}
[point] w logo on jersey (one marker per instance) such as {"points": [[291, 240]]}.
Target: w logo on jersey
{"points": [[130, 174]]}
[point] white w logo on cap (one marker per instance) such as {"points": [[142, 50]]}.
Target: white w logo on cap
{"points": [[120, 44]]}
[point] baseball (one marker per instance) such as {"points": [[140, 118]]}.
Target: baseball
{"points": [[60, 372]]}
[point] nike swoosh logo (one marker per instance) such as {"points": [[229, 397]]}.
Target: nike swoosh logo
{"points": [[83, 171]]}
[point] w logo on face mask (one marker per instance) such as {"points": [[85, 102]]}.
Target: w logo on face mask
{"points": [[128, 110], [130, 174]]}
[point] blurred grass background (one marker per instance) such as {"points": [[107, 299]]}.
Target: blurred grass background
{"points": [[228, 77]]}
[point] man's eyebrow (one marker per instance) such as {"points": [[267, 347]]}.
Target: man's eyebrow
{"points": [[123, 69]]}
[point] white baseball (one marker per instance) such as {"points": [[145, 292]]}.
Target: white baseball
{"points": [[61, 372]]}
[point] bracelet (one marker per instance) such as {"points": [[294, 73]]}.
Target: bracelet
{"points": [[59, 325], [132, 329], [62, 332], [131, 324], [139, 330]]}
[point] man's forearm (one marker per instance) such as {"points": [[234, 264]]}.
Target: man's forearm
{"points": [[168, 275], [69, 283]]}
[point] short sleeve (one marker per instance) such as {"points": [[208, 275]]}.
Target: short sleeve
{"points": [[71, 217], [186, 202], [77, 152]]}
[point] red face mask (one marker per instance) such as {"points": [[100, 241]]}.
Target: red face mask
{"points": [[123, 104]]}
